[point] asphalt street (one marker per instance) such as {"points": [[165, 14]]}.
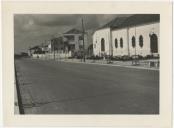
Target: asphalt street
{"points": [[52, 87]]}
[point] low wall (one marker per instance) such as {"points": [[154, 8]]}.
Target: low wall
{"points": [[51, 56]]}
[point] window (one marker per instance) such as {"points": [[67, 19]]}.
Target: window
{"points": [[141, 41], [80, 37], [121, 42], [133, 42], [102, 44], [80, 46], [70, 38], [116, 43], [154, 43], [94, 45]]}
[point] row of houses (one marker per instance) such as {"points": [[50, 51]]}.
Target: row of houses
{"points": [[71, 41], [137, 34]]}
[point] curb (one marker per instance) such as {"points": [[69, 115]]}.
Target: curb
{"points": [[19, 98], [16, 105], [112, 65]]}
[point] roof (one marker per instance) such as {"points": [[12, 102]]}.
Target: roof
{"points": [[73, 31], [115, 22], [35, 47], [139, 19], [136, 19]]}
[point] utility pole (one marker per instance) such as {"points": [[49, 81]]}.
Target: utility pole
{"points": [[135, 40], [54, 50], [128, 42], [30, 51], [83, 32], [136, 58], [53, 44]]}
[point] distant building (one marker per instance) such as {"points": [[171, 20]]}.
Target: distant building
{"points": [[45, 47], [74, 40], [134, 35], [90, 50], [69, 42], [34, 50], [39, 49], [58, 45]]}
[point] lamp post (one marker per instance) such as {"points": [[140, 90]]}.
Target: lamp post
{"points": [[136, 59], [53, 44], [150, 35], [134, 45], [135, 41], [83, 31]]}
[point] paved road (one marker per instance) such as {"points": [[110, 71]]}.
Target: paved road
{"points": [[50, 87]]}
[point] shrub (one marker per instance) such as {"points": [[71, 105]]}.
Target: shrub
{"points": [[149, 57], [125, 58], [116, 58]]}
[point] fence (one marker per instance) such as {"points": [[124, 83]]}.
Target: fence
{"points": [[48, 56]]}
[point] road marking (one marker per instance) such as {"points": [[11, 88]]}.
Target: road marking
{"points": [[114, 65]]}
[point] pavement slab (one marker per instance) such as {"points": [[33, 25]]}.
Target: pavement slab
{"points": [[52, 87]]}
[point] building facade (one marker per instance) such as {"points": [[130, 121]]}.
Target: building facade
{"points": [[134, 35], [74, 39]]}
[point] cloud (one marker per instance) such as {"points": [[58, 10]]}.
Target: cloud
{"points": [[55, 20], [34, 29]]}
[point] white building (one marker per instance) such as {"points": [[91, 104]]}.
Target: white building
{"points": [[134, 35], [74, 39]]}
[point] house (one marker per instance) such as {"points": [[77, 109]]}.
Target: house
{"points": [[74, 40], [40, 49], [70, 41], [34, 50], [137, 34], [90, 50], [58, 45]]}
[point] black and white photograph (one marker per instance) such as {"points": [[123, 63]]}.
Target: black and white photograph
{"points": [[87, 63]]}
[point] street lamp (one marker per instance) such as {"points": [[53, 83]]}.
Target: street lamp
{"points": [[83, 32], [136, 58]]}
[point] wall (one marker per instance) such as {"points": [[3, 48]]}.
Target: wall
{"points": [[144, 30], [118, 34], [51, 55], [128, 33], [97, 36], [78, 42]]}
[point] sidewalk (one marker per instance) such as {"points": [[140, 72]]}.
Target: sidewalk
{"points": [[16, 107], [143, 64]]}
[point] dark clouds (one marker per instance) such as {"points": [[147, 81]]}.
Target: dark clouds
{"points": [[34, 29], [55, 20]]}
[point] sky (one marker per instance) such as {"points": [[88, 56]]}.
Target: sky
{"points": [[35, 29]]}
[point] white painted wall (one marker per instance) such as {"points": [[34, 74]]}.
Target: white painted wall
{"points": [[97, 36], [51, 55], [143, 30], [126, 34], [118, 34]]}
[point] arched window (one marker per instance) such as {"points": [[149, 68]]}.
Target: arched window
{"points": [[141, 41], [121, 42], [154, 43], [133, 42], [116, 43], [102, 44]]}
